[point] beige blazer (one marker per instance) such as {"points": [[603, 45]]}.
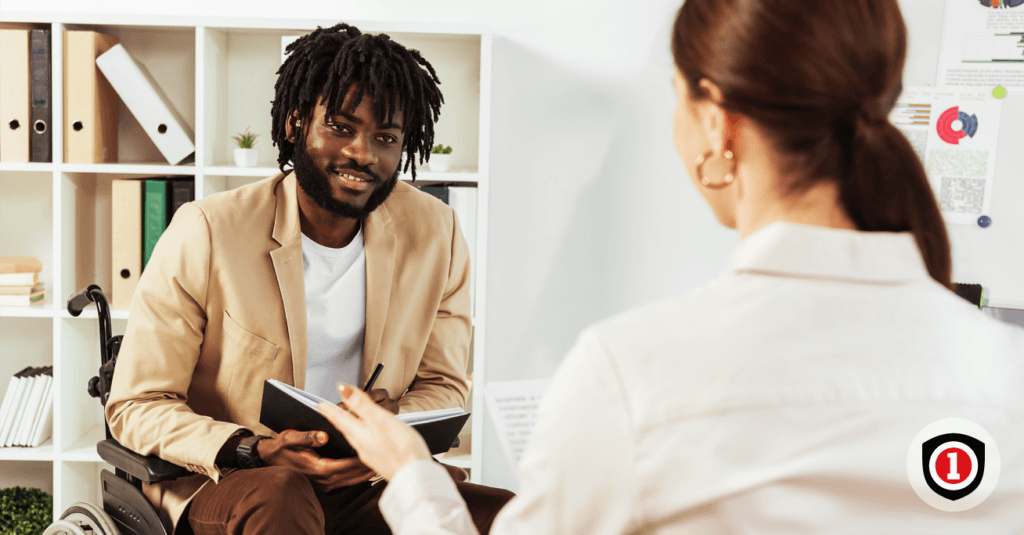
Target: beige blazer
{"points": [[221, 307]]}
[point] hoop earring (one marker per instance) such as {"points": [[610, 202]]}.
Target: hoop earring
{"points": [[705, 181]]}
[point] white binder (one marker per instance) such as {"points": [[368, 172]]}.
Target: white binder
{"points": [[148, 104]]}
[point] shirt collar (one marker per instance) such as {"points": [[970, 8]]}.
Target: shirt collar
{"points": [[794, 250]]}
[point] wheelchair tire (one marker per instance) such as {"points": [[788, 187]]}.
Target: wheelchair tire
{"points": [[83, 516], [63, 527]]}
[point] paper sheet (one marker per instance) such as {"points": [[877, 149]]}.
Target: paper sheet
{"points": [[954, 131], [513, 407], [982, 44]]}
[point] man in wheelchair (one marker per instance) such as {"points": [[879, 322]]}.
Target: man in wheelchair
{"points": [[311, 277]]}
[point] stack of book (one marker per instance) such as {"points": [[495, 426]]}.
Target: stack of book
{"points": [[19, 281], [26, 416]]}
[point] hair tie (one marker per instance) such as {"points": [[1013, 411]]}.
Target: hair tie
{"points": [[864, 118]]}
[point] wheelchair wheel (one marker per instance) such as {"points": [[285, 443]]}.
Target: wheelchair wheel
{"points": [[81, 519]]}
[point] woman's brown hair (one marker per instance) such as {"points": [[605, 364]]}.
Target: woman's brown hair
{"points": [[821, 78]]}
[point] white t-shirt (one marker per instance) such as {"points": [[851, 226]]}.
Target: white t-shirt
{"points": [[335, 314]]}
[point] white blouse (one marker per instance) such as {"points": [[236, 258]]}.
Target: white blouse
{"points": [[780, 398]]}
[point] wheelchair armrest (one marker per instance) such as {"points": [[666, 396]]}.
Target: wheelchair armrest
{"points": [[149, 469]]}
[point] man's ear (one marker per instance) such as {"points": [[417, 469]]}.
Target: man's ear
{"points": [[293, 127]]}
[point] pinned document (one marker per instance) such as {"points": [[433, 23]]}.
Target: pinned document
{"points": [[513, 407], [954, 131], [982, 44], [150, 106]]}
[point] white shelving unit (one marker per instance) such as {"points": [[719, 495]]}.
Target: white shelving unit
{"points": [[219, 73]]}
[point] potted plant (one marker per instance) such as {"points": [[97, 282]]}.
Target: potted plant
{"points": [[25, 510], [440, 158], [245, 155]]}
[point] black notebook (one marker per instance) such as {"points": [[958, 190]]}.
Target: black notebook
{"points": [[287, 407]]}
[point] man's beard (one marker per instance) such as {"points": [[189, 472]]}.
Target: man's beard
{"points": [[317, 186]]}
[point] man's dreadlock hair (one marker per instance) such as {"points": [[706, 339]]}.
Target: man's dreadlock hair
{"points": [[328, 60]]}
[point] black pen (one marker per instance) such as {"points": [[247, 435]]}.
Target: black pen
{"points": [[373, 377]]}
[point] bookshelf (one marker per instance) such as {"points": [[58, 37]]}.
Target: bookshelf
{"points": [[219, 73]]}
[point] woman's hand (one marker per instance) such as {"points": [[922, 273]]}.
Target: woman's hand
{"points": [[383, 442]]}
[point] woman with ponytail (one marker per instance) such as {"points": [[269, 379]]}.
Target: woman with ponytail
{"points": [[784, 396]]}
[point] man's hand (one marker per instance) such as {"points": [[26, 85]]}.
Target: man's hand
{"points": [[380, 397], [296, 450], [383, 442]]}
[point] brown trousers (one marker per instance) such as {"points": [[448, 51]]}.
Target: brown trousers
{"points": [[273, 499]]}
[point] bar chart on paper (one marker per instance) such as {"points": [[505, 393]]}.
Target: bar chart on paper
{"points": [[981, 47]]}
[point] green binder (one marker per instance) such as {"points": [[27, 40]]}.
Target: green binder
{"points": [[154, 215]]}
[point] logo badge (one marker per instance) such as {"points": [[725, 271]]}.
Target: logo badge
{"points": [[953, 464]]}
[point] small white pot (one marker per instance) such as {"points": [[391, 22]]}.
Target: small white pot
{"points": [[246, 157], [440, 163]]}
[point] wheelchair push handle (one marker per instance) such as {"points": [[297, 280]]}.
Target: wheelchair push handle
{"points": [[81, 299]]}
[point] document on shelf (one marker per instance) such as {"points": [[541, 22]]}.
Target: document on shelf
{"points": [[513, 407], [954, 130], [982, 44]]}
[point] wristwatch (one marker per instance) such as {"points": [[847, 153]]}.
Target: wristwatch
{"points": [[247, 454]]}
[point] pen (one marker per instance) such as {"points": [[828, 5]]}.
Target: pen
{"points": [[373, 377]]}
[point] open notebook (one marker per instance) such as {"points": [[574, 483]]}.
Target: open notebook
{"points": [[287, 407]]}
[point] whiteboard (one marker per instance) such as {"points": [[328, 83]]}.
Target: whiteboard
{"points": [[993, 256]]}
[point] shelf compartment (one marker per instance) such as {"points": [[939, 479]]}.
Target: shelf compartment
{"points": [[80, 482], [80, 421], [84, 448], [86, 226], [169, 54], [26, 217]]}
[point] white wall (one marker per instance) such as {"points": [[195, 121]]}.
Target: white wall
{"points": [[591, 211]]}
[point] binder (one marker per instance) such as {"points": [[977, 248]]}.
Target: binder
{"points": [[154, 216], [40, 136], [148, 104], [182, 191], [14, 96], [90, 104], [125, 240]]}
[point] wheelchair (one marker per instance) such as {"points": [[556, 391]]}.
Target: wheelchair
{"points": [[125, 510]]}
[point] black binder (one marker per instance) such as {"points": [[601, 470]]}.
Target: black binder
{"points": [[41, 135], [182, 191], [282, 410]]}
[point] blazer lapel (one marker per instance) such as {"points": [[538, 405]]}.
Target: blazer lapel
{"points": [[288, 267], [379, 244]]}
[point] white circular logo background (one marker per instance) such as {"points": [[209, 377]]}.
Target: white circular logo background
{"points": [[921, 465]]}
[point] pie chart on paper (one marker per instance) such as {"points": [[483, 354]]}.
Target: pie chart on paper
{"points": [[1001, 3], [944, 126]]}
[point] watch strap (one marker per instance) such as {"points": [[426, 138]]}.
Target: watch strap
{"points": [[247, 454]]}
